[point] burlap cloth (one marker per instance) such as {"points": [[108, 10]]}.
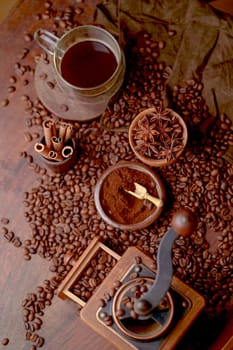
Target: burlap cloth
{"points": [[202, 47]]}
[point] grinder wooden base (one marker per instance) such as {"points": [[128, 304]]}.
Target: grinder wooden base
{"points": [[193, 301]]}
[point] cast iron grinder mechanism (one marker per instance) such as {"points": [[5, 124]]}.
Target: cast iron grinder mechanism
{"points": [[143, 307], [182, 224]]}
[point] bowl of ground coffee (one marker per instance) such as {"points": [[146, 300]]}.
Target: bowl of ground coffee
{"points": [[121, 209]]}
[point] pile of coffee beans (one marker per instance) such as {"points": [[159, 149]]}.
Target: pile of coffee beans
{"points": [[33, 307], [61, 213], [144, 84], [92, 276]]}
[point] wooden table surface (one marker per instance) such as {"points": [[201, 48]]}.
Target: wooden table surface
{"points": [[62, 328]]}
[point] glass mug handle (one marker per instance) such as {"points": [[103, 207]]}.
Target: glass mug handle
{"points": [[46, 40]]}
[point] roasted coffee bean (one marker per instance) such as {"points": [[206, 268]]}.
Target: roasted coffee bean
{"points": [[109, 322], [40, 342], [9, 235], [28, 335], [4, 230], [106, 318], [13, 79], [5, 102], [133, 275], [5, 221], [133, 314], [11, 89], [5, 341], [129, 305], [28, 37], [25, 82], [51, 85], [23, 53], [64, 108], [16, 242], [117, 284], [120, 313], [34, 337]]}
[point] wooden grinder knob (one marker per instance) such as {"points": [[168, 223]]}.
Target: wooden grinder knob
{"points": [[183, 222]]}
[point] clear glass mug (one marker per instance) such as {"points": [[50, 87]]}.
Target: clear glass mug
{"points": [[92, 100]]}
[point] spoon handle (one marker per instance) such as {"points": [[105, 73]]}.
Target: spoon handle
{"points": [[156, 201]]}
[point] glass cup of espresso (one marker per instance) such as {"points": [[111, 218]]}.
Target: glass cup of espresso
{"points": [[89, 66]]}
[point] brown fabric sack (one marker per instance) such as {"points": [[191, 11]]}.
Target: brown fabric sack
{"points": [[202, 47]]}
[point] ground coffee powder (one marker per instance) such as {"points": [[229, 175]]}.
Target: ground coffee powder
{"points": [[122, 206]]}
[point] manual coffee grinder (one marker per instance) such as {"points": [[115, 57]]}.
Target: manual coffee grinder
{"points": [[144, 307]]}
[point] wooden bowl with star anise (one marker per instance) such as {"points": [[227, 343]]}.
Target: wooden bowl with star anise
{"points": [[158, 136]]}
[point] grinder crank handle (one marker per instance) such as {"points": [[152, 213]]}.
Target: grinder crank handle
{"points": [[183, 224]]}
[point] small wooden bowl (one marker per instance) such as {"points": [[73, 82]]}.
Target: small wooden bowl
{"points": [[63, 165], [105, 212], [156, 161]]}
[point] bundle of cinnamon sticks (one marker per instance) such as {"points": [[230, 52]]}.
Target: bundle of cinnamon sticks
{"points": [[56, 144]]}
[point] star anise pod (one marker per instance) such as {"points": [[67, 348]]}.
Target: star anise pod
{"points": [[164, 129], [160, 112], [145, 130], [147, 149], [169, 150]]}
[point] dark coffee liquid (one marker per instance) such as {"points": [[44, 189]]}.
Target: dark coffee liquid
{"points": [[88, 64]]}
